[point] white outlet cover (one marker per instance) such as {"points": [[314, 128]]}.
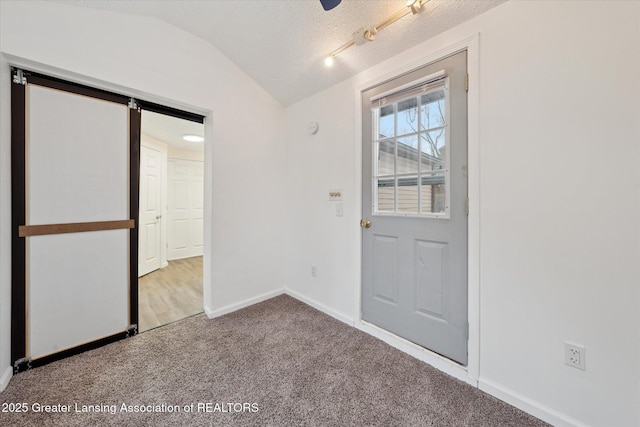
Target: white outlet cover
{"points": [[574, 355]]}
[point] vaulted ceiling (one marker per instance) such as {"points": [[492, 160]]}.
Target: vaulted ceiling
{"points": [[282, 44]]}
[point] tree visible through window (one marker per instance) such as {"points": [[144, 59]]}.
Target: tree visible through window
{"points": [[411, 166]]}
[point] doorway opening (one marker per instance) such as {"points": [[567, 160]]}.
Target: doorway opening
{"points": [[171, 219]]}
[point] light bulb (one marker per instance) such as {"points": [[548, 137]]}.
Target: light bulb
{"points": [[193, 138], [328, 61]]}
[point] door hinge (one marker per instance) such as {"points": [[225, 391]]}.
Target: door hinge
{"points": [[19, 77], [467, 331], [466, 83], [466, 209]]}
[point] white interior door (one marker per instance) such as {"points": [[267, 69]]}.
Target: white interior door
{"points": [[414, 243], [185, 208], [149, 258], [77, 173]]}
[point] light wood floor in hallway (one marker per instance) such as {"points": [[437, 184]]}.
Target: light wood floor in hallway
{"points": [[171, 293]]}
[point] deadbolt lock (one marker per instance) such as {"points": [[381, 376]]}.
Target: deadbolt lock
{"points": [[365, 223]]}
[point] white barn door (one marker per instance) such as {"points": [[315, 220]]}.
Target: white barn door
{"points": [[76, 219]]}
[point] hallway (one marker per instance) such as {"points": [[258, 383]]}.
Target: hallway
{"points": [[171, 293]]}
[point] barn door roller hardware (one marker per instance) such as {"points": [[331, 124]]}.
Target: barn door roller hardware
{"points": [[19, 77]]}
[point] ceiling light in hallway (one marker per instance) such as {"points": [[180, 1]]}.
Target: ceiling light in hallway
{"points": [[192, 138]]}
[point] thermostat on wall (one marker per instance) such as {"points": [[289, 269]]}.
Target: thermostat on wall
{"points": [[312, 128]]}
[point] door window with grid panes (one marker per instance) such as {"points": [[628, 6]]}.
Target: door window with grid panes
{"points": [[411, 164]]}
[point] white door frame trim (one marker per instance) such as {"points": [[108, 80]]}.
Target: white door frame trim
{"points": [[207, 264], [471, 372]]}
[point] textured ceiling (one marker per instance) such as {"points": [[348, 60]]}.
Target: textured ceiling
{"points": [[282, 43]]}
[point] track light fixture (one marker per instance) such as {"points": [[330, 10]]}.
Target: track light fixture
{"points": [[414, 5], [364, 35]]}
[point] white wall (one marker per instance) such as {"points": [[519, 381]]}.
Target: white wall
{"points": [[186, 155], [559, 203], [316, 165], [151, 59]]}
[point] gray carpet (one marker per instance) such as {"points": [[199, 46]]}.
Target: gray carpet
{"points": [[277, 363]]}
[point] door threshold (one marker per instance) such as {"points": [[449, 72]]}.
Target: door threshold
{"points": [[172, 322], [436, 360]]}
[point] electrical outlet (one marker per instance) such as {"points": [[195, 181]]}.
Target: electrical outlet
{"points": [[574, 355], [314, 271]]}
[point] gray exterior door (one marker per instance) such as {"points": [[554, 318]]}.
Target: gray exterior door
{"points": [[414, 210]]}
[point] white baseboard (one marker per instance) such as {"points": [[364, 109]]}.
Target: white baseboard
{"points": [[323, 308], [211, 312], [440, 363], [528, 405], [6, 377]]}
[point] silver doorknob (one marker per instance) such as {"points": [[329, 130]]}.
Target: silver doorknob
{"points": [[365, 223]]}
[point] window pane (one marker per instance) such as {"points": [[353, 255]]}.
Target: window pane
{"points": [[386, 158], [409, 140], [408, 116], [432, 145], [408, 195], [408, 154], [432, 110], [386, 195], [433, 193], [386, 123]]}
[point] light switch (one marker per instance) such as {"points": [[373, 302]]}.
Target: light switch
{"points": [[339, 209]]}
